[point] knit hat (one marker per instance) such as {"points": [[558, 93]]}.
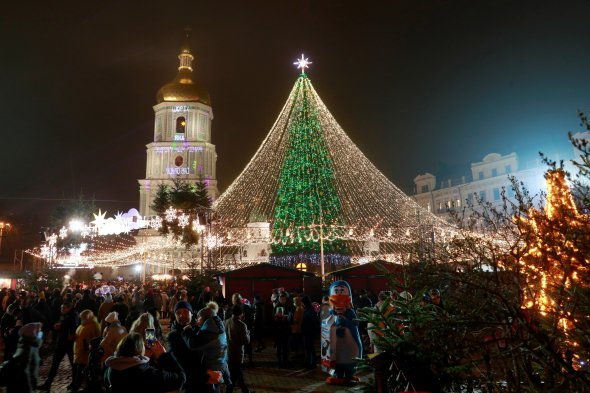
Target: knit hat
{"points": [[205, 313], [30, 329], [183, 304], [112, 317]]}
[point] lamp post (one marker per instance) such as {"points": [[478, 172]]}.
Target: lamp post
{"points": [[3, 226], [197, 227]]}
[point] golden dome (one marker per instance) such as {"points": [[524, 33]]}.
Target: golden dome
{"points": [[184, 87]]}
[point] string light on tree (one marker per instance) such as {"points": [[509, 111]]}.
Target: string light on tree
{"points": [[555, 260], [307, 162]]}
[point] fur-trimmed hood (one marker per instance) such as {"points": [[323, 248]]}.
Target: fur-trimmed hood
{"points": [[120, 363]]}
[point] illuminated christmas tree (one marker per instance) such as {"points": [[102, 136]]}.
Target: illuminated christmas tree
{"points": [[555, 260], [312, 185], [306, 196]]}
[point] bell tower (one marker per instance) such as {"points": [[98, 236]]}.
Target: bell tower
{"points": [[181, 147]]}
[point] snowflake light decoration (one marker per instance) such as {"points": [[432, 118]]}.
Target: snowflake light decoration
{"points": [[156, 223], [63, 233], [170, 214], [183, 220]]}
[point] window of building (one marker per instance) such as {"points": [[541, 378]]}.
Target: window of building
{"points": [[424, 188], [482, 196], [480, 175], [494, 172], [180, 125], [428, 206], [470, 199], [245, 254], [440, 205], [510, 191], [496, 194], [449, 204], [508, 168], [458, 203]]}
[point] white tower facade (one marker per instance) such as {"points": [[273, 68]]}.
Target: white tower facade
{"points": [[181, 147]]}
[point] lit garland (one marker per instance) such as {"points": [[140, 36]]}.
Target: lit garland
{"points": [[555, 256], [308, 181], [365, 205], [306, 194]]}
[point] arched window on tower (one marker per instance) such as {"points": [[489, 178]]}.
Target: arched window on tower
{"points": [[180, 125]]}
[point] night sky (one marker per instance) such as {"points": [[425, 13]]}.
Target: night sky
{"points": [[418, 85]]}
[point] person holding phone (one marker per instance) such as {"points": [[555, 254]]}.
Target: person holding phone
{"points": [[130, 370], [150, 337], [189, 358]]}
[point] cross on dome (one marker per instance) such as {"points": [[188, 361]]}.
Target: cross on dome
{"points": [[302, 63]]}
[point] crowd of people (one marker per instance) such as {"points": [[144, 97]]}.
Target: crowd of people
{"points": [[105, 332], [113, 336]]}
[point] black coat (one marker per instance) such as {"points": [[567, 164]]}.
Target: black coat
{"points": [[67, 331], [310, 325], [136, 375], [189, 359]]}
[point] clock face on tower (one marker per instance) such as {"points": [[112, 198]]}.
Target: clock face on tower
{"points": [[178, 161]]}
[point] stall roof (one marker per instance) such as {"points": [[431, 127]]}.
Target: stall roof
{"points": [[379, 265], [265, 266]]}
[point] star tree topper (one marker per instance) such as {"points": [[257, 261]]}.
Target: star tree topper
{"points": [[302, 63]]}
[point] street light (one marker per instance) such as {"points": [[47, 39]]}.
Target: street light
{"points": [[200, 229], [3, 226]]}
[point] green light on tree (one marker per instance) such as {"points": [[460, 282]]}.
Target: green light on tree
{"points": [[306, 196]]}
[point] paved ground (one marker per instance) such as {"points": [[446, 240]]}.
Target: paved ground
{"points": [[263, 377]]}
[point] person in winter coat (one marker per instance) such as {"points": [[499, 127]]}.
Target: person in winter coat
{"points": [[87, 303], [258, 323], [164, 307], [44, 309], [20, 373], [247, 317], [88, 329], [145, 321], [9, 329], [310, 329], [129, 370], [66, 334], [105, 308], [30, 313], [121, 308], [237, 336], [374, 331], [190, 359], [210, 339], [282, 329], [112, 335], [296, 340]]}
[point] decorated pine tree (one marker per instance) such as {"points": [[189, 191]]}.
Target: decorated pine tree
{"points": [[180, 208], [556, 261], [314, 187], [307, 206]]}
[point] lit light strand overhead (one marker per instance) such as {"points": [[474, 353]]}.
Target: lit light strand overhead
{"points": [[372, 208]]}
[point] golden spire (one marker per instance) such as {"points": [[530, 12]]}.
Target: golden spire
{"points": [[184, 88], [185, 56]]}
